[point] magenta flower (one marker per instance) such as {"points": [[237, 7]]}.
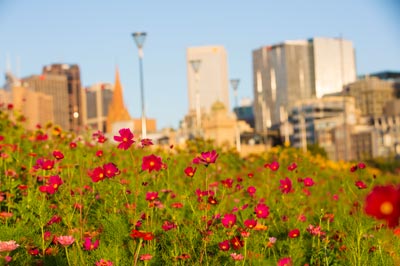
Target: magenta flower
{"points": [[190, 171], [285, 262], [286, 185], [229, 220], [7, 246], [151, 196], [125, 138], [360, 184], [206, 158], [294, 233], [97, 174], [292, 167], [224, 245], [52, 185], [261, 210], [308, 182], [104, 262], [110, 170], [250, 223], [89, 245], [65, 240], [167, 225], [151, 162], [274, 166]]}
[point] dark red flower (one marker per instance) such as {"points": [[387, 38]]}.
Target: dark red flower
{"points": [[146, 142], [383, 203], [294, 233], [236, 242], [97, 174], [110, 170], [125, 138], [151, 162], [292, 167], [224, 245], [250, 223], [360, 184], [58, 155]]}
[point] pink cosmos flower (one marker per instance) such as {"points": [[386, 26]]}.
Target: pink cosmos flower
{"points": [[7, 246], [125, 138], [274, 166], [308, 182], [315, 230], [190, 171], [261, 210], [285, 262], [292, 167], [58, 155], [237, 256], [229, 220], [360, 184], [89, 244], [251, 190], [146, 142], [151, 163], [167, 225], [250, 223], [104, 262], [65, 240], [52, 186], [151, 196], [110, 170], [294, 233], [146, 257], [286, 185], [206, 158]]}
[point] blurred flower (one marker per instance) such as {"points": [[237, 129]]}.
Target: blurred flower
{"points": [[236, 242], [274, 166], [54, 219], [65, 240], [151, 162], [251, 190], [167, 225], [146, 142], [361, 165], [286, 185], [308, 182], [7, 246], [104, 262], [285, 262], [292, 167], [72, 145], [383, 202], [151, 196], [315, 230], [360, 184], [58, 155], [250, 223], [294, 233], [224, 245], [229, 220], [110, 170], [206, 158], [125, 138], [146, 257], [190, 171], [89, 245], [99, 153], [97, 174], [261, 210], [237, 256], [52, 185]]}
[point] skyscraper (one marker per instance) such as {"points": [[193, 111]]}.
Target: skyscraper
{"points": [[56, 86], [212, 83], [295, 70], [96, 101], [72, 73]]}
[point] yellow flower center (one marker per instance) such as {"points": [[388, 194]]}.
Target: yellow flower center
{"points": [[151, 163], [386, 208], [124, 139]]}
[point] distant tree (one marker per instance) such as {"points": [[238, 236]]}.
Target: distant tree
{"points": [[315, 149]]}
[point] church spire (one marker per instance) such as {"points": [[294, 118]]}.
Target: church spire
{"points": [[117, 110]]}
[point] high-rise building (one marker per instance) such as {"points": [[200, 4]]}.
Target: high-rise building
{"points": [[296, 70], [57, 87], [73, 75], [95, 103], [210, 83]]}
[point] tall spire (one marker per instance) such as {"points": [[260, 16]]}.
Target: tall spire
{"points": [[117, 110]]}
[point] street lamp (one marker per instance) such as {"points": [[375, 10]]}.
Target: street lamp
{"points": [[235, 84], [139, 38], [196, 66]]}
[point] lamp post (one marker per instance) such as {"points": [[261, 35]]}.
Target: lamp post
{"points": [[139, 38], [196, 66], [235, 84]]}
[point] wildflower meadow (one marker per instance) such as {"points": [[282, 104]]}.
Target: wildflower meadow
{"points": [[119, 200]]}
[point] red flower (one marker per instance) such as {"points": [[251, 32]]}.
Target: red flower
{"points": [[285, 262], [151, 196], [308, 182], [58, 155], [44, 164], [229, 220], [190, 171], [212, 200], [224, 245], [236, 243], [274, 166], [294, 233], [72, 145], [250, 223], [151, 162], [146, 142], [286, 185], [167, 225], [251, 190], [206, 158], [97, 174], [292, 167], [52, 185], [100, 137], [89, 245], [383, 202], [360, 184], [99, 153], [110, 170], [261, 210], [125, 138], [361, 165]]}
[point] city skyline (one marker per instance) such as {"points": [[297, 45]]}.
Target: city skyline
{"points": [[97, 38]]}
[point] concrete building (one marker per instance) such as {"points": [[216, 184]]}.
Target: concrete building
{"points": [[210, 84], [95, 103], [296, 70], [57, 87], [371, 95], [72, 73]]}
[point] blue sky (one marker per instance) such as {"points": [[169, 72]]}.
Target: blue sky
{"points": [[97, 35]]}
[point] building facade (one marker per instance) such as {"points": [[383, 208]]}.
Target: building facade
{"points": [[57, 87], [209, 83], [72, 73], [296, 70]]}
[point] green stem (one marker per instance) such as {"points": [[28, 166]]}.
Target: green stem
{"points": [[66, 252]]}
